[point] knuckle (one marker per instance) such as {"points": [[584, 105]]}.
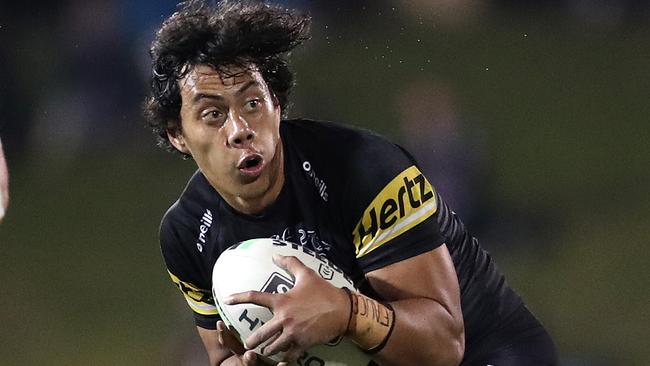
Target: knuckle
{"points": [[290, 259], [286, 321]]}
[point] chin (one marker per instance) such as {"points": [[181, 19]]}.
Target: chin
{"points": [[255, 189]]}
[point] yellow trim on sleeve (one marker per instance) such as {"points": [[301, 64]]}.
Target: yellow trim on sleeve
{"points": [[199, 300]]}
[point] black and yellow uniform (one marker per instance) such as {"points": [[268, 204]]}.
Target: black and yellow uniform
{"points": [[361, 201]]}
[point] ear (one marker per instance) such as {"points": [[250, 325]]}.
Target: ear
{"points": [[177, 140]]}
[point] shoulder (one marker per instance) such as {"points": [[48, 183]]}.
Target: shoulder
{"points": [[363, 161], [325, 130], [344, 144], [179, 223]]}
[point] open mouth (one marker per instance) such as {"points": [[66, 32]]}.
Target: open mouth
{"points": [[251, 164]]}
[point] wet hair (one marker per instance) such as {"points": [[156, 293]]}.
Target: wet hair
{"points": [[248, 35]]}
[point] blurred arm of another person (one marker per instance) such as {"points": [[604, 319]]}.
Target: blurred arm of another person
{"points": [[4, 184]]}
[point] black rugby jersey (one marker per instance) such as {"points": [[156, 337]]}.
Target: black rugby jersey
{"points": [[356, 198]]}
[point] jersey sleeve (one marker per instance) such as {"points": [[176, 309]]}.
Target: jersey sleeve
{"points": [[391, 205], [184, 271]]}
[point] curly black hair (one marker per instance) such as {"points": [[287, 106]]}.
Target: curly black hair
{"points": [[244, 34]]}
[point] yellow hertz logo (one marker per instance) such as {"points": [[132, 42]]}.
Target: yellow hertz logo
{"points": [[405, 202]]}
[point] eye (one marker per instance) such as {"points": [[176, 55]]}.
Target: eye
{"points": [[212, 116], [252, 104]]}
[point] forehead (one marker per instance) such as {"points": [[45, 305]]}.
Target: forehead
{"points": [[205, 79]]}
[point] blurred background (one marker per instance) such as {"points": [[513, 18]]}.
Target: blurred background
{"points": [[531, 118]]}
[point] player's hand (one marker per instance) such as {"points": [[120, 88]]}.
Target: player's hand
{"points": [[240, 357], [312, 312]]}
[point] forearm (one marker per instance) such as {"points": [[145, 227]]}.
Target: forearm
{"points": [[425, 333], [217, 354], [425, 296]]}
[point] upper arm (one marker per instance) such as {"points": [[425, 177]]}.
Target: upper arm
{"points": [[184, 269], [389, 207], [430, 275]]}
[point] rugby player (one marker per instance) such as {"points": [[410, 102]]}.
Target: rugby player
{"points": [[219, 94]]}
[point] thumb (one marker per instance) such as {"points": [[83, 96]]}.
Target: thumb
{"points": [[228, 339]]}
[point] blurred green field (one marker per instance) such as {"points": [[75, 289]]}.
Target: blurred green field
{"points": [[566, 113]]}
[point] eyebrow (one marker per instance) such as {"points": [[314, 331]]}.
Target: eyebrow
{"points": [[240, 91]]}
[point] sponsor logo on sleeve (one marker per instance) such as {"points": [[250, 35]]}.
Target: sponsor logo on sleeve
{"points": [[404, 202]]}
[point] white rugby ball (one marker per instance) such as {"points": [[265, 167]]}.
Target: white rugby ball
{"points": [[249, 266]]}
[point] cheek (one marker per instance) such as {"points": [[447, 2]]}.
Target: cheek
{"points": [[208, 149]]}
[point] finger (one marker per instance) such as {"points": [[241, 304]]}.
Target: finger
{"points": [[289, 263], [221, 325], [293, 354], [282, 343], [251, 297], [249, 358], [266, 331], [228, 339]]}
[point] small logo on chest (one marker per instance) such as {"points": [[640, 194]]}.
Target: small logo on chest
{"points": [[319, 183], [206, 222]]}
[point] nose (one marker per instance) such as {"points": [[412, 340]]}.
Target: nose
{"points": [[241, 135]]}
